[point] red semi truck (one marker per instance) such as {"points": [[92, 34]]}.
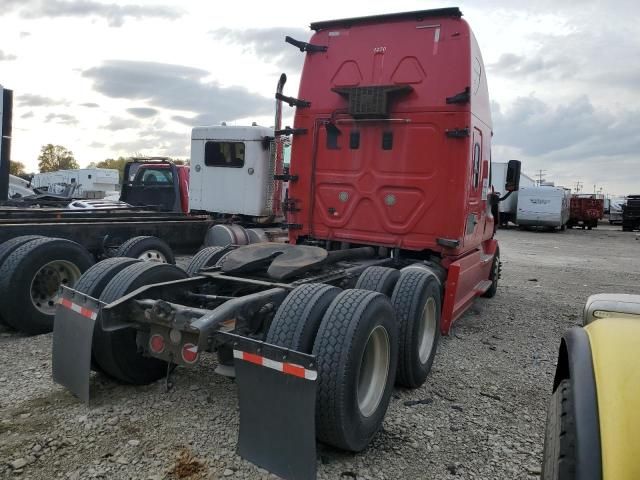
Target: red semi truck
{"points": [[391, 238], [585, 210]]}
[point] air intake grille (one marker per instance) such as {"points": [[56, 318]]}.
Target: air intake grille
{"points": [[371, 101]]}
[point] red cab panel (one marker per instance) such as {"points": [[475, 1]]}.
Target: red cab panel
{"points": [[398, 104]]}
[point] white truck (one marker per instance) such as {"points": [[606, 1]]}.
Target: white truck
{"points": [[509, 206], [615, 210], [91, 182], [543, 207]]}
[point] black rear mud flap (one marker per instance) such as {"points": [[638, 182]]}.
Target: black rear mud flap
{"points": [[72, 338], [277, 395]]}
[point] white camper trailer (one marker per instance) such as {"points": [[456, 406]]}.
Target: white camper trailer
{"points": [[88, 180], [509, 206], [543, 207]]}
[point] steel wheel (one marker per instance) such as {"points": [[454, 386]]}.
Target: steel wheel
{"points": [[427, 332], [45, 285], [374, 370], [152, 256]]}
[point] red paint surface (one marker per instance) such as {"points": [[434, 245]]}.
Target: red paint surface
{"points": [[427, 175], [586, 208]]}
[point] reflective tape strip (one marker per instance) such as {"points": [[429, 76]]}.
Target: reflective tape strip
{"points": [[85, 312], [284, 367]]}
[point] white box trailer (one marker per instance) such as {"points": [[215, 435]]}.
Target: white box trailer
{"points": [[88, 179], [543, 207], [509, 206]]}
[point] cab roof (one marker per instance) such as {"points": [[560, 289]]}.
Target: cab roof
{"points": [[417, 15]]}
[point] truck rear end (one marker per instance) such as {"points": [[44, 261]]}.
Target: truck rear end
{"points": [[391, 239], [631, 214], [585, 210]]}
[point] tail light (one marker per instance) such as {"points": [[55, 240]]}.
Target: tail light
{"points": [[157, 343]]}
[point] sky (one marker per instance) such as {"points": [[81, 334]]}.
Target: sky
{"points": [[110, 78]]}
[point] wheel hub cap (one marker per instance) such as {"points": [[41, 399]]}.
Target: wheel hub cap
{"points": [[374, 369], [427, 333], [46, 283], [152, 256]]}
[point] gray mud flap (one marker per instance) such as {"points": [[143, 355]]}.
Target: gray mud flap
{"points": [[76, 316], [277, 395]]}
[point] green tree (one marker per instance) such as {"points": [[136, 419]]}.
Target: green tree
{"points": [[56, 157], [16, 168]]}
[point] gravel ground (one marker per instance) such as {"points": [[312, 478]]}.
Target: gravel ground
{"points": [[480, 415]]}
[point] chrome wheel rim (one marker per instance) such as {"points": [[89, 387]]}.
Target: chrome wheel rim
{"points": [[427, 332], [374, 370], [46, 283], [152, 256]]}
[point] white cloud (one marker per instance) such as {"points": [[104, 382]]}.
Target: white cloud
{"points": [[563, 74]]}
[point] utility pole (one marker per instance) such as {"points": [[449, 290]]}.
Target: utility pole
{"points": [[6, 110], [578, 187], [540, 174]]}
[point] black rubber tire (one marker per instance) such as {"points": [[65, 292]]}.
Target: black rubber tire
{"points": [[10, 245], [494, 276], [93, 281], [559, 454], [116, 352], [137, 246], [17, 273], [378, 279], [432, 268], [206, 257], [298, 318], [339, 349], [220, 261], [409, 299]]}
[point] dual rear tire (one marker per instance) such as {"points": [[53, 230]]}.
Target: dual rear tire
{"points": [[364, 340], [354, 336], [416, 297], [116, 352]]}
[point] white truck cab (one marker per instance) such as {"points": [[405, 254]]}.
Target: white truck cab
{"points": [[232, 170]]}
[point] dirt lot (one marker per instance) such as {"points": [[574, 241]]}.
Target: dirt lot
{"points": [[480, 415]]}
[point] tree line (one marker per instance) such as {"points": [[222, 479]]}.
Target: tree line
{"points": [[56, 157]]}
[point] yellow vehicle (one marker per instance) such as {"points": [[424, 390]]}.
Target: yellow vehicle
{"points": [[593, 421]]}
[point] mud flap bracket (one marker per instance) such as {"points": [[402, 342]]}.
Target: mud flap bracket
{"points": [[277, 395], [75, 319]]}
